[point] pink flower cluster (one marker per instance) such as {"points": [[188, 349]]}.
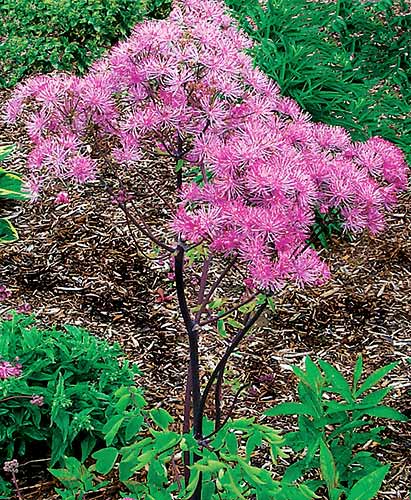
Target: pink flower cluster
{"points": [[5, 293], [184, 87], [8, 370]]}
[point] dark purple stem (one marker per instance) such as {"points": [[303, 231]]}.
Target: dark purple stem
{"points": [[218, 372], [187, 424], [194, 371]]}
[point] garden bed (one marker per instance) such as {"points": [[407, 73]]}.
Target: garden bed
{"points": [[78, 264]]}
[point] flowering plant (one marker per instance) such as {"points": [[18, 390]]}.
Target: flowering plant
{"points": [[55, 388], [183, 88]]}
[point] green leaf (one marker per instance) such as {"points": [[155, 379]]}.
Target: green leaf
{"points": [[290, 409], [221, 328], [111, 428], [161, 417], [5, 151], [375, 377], [11, 186], [87, 445], [327, 467], [105, 459], [375, 397], [235, 324], [8, 234], [384, 412], [271, 304], [368, 486], [313, 375], [179, 165], [357, 372], [337, 381], [133, 427]]}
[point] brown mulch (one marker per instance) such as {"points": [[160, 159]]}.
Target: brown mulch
{"points": [[78, 264]]}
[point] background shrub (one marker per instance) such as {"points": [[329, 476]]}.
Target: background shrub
{"points": [[347, 62], [76, 376], [42, 35]]}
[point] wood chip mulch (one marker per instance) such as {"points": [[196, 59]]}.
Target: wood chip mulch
{"points": [[78, 264]]}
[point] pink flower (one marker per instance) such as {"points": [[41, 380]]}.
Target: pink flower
{"points": [[5, 293], [184, 87], [82, 168], [62, 198], [8, 370], [37, 400], [24, 308]]}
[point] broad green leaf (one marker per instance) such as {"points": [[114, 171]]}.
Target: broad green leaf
{"points": [[105, 459], [127, 466], [206, 465], [367, 487], [11, 186], [87, 445], [111, 428], [375, 397], [384, 412], [313, 374], [133, 427], [161, 417]]}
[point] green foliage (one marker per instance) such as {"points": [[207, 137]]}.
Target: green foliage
{"points": [[224, 463], [11, 188], [80, 378], [43, 35], [345, 62], [335, 418]]}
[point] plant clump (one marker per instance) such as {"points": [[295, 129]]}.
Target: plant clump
{"points": [[184, 87]]}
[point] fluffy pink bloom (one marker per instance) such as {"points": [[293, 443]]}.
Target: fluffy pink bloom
{"points": [[62, 198], [82, 168], [8, 370], [184, 87]]}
